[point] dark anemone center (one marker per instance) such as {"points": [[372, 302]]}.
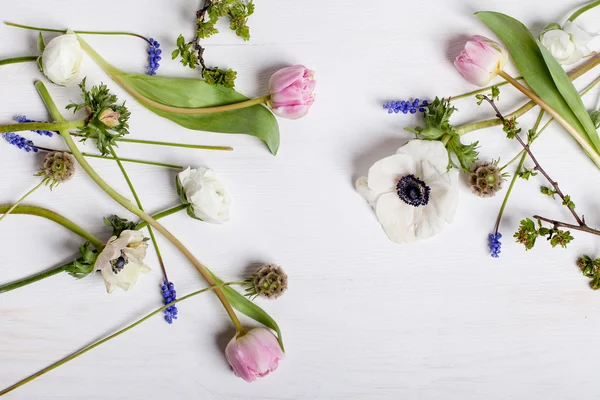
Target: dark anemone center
{"points": [[413, 191], [119, 263]]}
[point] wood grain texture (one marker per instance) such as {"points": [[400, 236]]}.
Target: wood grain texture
{"points": [[364, 318]]}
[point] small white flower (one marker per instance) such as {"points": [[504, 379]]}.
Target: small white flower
{"points": [[569, 44], [207, 198], [121, 262], [61, 59], [412, 193]]}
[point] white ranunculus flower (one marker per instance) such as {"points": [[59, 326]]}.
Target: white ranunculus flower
{"points": [[568, 45], [122, 260], [207, 198], [61, 59], [412, 193]]}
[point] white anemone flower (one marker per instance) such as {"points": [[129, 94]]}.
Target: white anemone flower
{"points": [[121, 262], [412, 192]]}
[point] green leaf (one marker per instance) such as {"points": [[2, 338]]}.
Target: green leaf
{"points": [[191, 93], [250, 309], [531, 63], [41, 45], [571, 96]]}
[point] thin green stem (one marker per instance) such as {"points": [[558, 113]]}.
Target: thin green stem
{"points": [[583, 9], [55, 217], [34, 28], [130, 160], [26, 195], [56, 115], [117, 76], [16, 60], [106, 339], [169, 144], [41, 126], [162, 214], [574, 74], [482, 90], [516, 176], [31, 279], [139, 204]]}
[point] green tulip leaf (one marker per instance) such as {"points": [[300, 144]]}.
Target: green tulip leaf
{"points": [[195, 93], [571, 96], [541, 74], [250, 309]]}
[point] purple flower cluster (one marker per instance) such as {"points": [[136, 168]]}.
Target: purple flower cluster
{"points": [[170, 295], [153, 57], [19, 141], [23, 119], [495, 245], [405, 107]]}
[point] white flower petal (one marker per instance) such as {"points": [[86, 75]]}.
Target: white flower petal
{"points": [[362, 187], [396, 218], [431, 150], [209, 199], [385, 173]]}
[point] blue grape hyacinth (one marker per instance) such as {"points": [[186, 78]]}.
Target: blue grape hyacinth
{"points": [[405, 107], [23, 119], [20, 142], [495, 244], [169, 295], [154, 57]]}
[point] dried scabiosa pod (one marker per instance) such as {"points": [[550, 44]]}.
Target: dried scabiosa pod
{"points": [[485, 179], [269, 281]]}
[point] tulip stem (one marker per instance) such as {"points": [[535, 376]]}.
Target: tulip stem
{"points": [[42, 126], [114, 335], [582, 93], [162, 214], [482, 90], [116, 75], [35, 28], [139, 204], [591, 151], [55, 217], [583, 9], [55, 114], [26, 195], [15, 60], [573, 74]]}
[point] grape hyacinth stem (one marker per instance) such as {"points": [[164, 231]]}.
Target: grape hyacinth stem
{"points": [[106, 339]]}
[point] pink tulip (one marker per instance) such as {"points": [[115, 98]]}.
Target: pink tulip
{"points": [[481, 60], [292, 91], [254, 354]]}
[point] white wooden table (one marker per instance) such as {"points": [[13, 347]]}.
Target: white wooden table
{"points": [[364, 318]]}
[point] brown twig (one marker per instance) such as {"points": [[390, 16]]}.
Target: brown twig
{"points": [[558, 224], [200, 15], [538, 167]]}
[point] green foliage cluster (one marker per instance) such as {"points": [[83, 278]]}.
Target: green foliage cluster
{"points": [[95, 102], [529, 232], [84, 265], [119, 225], [591, 269], [438, 127], [192, 53]]}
